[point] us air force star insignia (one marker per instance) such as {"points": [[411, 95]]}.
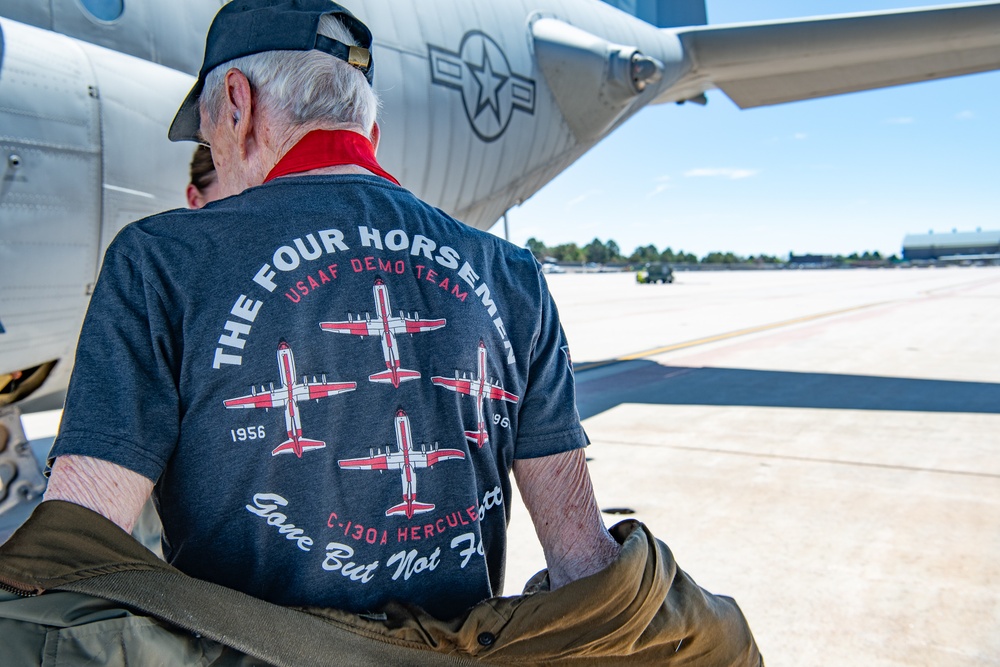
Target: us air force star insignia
{"points": [[490, 91]]}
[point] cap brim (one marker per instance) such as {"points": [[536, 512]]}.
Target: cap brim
{"points": [[187, 122]]}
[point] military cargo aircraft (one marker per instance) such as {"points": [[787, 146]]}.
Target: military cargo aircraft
{"points": [[407, 460], [387, 326], [484, 103], [287, 397], [479, 388]]}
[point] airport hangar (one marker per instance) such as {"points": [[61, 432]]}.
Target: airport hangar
{"points": [[977, 245]]}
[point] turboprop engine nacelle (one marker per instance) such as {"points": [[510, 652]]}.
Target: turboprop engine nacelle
{"points": [[596, 82]]}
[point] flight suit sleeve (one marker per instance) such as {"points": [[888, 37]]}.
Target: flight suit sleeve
{"points": [[548, 421], [122, 403]]}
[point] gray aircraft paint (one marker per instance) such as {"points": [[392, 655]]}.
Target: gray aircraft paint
{"points": [[484, 103]]}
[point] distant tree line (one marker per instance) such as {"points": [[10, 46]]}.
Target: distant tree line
{"points": [[609, 253], [868, 256], [600, 252]]}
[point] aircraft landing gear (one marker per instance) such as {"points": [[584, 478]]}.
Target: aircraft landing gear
{"points": [[21, 479]]}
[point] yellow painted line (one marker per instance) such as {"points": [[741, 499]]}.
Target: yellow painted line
{"points": [[969, 283], [724, 336]]}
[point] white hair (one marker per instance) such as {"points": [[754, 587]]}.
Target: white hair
{"points": [[300, 87]]}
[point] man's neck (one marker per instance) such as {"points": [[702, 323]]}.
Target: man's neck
{"points": [[281, 145]]}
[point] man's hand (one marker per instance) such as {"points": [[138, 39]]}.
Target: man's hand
{"points": [[112, 491], [560, 499]]}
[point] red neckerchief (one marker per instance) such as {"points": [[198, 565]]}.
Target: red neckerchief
{"points": [[327, 148]]}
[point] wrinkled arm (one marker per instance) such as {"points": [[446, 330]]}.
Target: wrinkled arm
{"points": [[112, 491], [560, 499]]}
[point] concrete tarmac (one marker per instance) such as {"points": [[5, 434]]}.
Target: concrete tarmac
{"points": [[824, 446]]}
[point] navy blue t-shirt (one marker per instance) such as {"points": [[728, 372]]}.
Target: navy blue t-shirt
{"points": [[328, 380]]}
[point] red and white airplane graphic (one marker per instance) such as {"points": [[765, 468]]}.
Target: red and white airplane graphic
{"points": [[387, 327], [480, 389], [288, 397], [406, 460]]}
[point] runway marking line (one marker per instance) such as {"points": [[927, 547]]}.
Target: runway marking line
{"points": [[968, 285], [807, 459], [724, 336]]}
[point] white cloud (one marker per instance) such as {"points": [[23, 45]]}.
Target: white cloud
{"points": [[662, 187], [722, 172], [902, 120], [965, 115], [799, 136], [663, 183], [579, 199]]}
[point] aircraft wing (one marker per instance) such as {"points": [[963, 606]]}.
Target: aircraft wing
{"points": [[379, 462], [498, 394], [438, 455], [316, 390], [356, 327], [757, 64], [265, 399], [410, 325], [455, 384]]}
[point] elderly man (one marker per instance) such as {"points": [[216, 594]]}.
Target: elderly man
{"points": [[297, 481]]}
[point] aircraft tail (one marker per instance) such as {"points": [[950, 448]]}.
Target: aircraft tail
{"points": [[477, 437], [665, 13], [409, 508], [292, 446], [387, 376]]}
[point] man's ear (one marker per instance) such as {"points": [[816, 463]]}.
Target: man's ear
{"points": [[194, 198], [375, 136], [239, 99]]}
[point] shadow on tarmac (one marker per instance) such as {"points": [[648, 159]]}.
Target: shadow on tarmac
{"points": [[604, 387]]}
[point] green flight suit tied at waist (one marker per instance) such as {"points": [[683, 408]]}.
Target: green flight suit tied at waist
{"points": [[89, 592]]}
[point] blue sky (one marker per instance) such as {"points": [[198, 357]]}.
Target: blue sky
{"points": [[848, 173]]}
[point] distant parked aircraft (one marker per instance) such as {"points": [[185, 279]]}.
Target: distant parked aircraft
{"points": [[479, 388]]}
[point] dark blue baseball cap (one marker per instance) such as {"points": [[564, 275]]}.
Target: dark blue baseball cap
{"points": [[244, 27]]}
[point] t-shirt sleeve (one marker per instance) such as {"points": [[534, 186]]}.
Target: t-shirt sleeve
{"points": [[122, 401], [548, 421]]}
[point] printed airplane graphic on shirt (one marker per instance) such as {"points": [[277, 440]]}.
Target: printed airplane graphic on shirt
{"points": [[288, 397], [387, 327], [479, 388], [407, 460]]}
